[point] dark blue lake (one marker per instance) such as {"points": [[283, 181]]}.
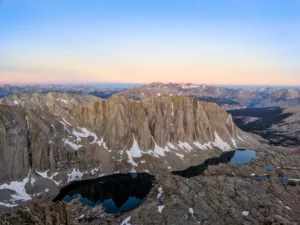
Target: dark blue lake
{"points": [[260, 178], [109, 205], [116, 193], [243, 156], [271, 168], [236, 157]]}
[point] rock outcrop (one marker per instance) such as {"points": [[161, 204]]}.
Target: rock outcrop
{"points": [[157, 120], [224, 194], [37, 214]]}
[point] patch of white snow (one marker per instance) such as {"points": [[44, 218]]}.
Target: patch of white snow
{"points": [[160, 208], [19, 188], [74, 175], [126, 221], [181, 156], [160, 191], [185, 145], [233, 142], [72, 144], [220, 143], [84, 134], [245, 213]]}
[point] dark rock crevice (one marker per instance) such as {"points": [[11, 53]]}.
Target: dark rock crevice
{"points": [[29, 149]]}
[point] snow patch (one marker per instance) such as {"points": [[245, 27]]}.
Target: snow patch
{"points": [[172, 113], [203, 146], [45, 175], [135, 150], [132, 170], [8, 205], [296, 180], [181, 156], [185, 145], [62, 100], [19, 188], [160, 191], [245, 213], [74, 175], [76, 147], [159, 150], [171, 145], [233, 142], [160, 208], [27, 122], [32, 180], [220, 143], [93, 171], [66, 122], [84, 134], [126, 221]]}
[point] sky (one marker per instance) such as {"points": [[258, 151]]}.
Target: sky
{"points": [[221, 42]]}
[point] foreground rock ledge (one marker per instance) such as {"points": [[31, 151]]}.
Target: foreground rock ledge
{"points": [[225, 194]]}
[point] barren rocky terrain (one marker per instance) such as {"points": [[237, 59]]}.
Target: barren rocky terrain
{"points": [[48, 141], [279, 126]]}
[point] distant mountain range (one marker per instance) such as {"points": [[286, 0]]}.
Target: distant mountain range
{"points": [[102, 92], [228, 98]]}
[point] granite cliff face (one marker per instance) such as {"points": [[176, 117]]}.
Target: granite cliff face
{"points": [[65, 143], [157, 120]]}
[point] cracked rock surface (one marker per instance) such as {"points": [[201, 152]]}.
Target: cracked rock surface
{"points": [[223, 194]]}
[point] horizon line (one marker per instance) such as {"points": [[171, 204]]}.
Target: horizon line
{"points": [[128, 83]]}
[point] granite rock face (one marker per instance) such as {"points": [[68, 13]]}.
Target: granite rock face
{"points": [[157, 120], [37, 214]]}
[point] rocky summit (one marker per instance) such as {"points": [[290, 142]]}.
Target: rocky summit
{"points": [[47, 144]]}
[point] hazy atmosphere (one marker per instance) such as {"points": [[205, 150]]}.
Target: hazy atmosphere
{"points": [[213, 42]]}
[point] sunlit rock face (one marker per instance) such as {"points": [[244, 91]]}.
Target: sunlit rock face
{"points": [[159, 120]]}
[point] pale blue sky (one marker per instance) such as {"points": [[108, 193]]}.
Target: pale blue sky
{"points": [[215, 42]]}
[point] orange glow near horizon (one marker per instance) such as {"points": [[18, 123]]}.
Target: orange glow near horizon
{"points": [[201, 42], [247, 71]]}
